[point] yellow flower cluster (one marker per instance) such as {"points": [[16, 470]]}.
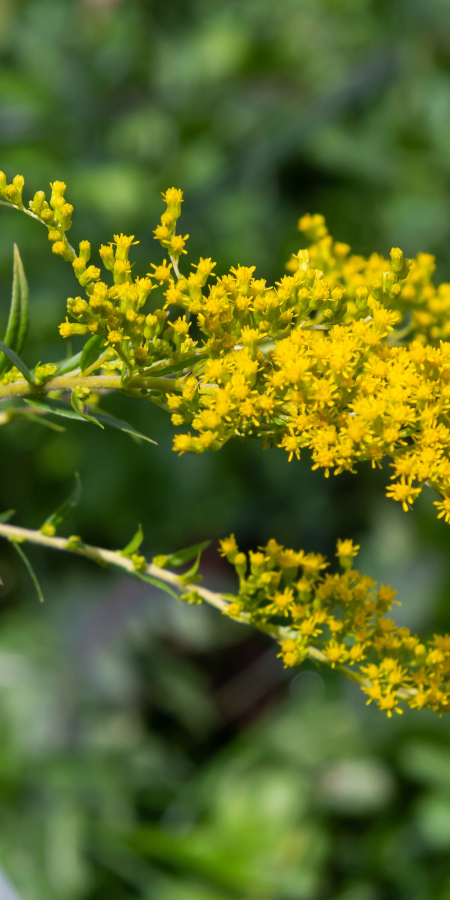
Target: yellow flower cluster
{"points": [[114, 311], [342, 615], [400, 284], [56, 215], [346, 356]]}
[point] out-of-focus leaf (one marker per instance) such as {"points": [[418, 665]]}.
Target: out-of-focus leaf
{"points": [[17, 362], [134, 544], [19, 274], [91, 351], [60, 408], [67, 365], [157, 583], [31, 571], [184, 556], [12, 328], [56, 407], [6, 516], [107, 419], [54, 520]]}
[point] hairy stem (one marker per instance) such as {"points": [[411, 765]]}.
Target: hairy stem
{"points": [[108, 557], [115, 558], [93, 382]]}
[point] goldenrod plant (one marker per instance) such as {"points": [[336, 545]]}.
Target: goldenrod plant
{"points": [[346, 356]]}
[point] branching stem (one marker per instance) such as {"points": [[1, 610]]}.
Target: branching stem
{"points": [[115, 558]]}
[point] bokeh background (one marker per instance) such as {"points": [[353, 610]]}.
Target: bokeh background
{"points": [[148, 750]]}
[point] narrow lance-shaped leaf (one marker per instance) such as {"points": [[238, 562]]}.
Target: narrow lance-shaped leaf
{"points": [[107, 419], [92, 350], [6, 516], [56, 407], [80, 407], [52, 522], [12, 328], [181, 557], [24, 295], [31, 571], [191, 575], [60, 408], [157, 583], [67, 365], [134, 544], [17, 327], [17, 362]]}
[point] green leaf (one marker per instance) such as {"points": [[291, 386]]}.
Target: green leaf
{"points": [[30, 569], [54, 520], [184, 556], [6, 516], [12, 328], [66, 365], [56, 407], [41, 420], [92, 350], [19, 273], [134, 544], [60, 408], [107, 419], [17, 362], [80, 407], [157, 583], [191, 575], [168, 370], [17, 327]]}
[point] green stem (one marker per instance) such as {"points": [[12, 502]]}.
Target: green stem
{"points": [[28, 212], [108, 557], [115, 558], [95, 383]]}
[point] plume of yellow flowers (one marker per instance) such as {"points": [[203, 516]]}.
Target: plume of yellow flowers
{"points": [[345, 356], [343, 617]]}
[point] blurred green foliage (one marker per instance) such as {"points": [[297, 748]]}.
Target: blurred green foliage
{"points": [[148, 750]]}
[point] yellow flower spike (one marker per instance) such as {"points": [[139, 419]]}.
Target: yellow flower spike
{"points": [[114, 337], [36, 203], [85, 250], [229, 548], [54, 234], [162, 272], [444, 509], [321, 360], [123, 244], [67, 329], [181, 326], [13, 192], [182, 443], [346, 551], [59, 248], [404, 492], [177, 244], [107, 255], [174, 198]]}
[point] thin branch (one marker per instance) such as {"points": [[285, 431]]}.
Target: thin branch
{"points": [[94, 382], [115, 558], [29, 212]]}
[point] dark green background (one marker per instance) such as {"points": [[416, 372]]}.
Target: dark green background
{"points": [[147, 749]]}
